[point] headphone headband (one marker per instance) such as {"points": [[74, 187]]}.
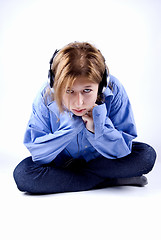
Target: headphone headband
{"points": [[50, 73], [103, 84]]}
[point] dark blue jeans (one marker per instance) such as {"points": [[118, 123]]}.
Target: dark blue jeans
{"points": [[79, 175]]}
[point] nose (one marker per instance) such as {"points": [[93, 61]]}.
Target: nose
{"points": [[79, 100]]}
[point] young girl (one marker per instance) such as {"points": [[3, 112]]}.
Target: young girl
{"points": [[81, 129]]}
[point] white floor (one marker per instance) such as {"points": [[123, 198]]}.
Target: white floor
{"points": [[129, 34], [111, 213]]}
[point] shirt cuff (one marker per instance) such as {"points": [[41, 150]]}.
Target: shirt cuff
{"points": [[99, 118]]}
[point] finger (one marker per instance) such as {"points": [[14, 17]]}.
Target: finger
{"points": [[86, 118], [89, 113]]}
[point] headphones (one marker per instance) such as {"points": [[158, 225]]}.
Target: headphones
{"points": [[102, 86], [50, 73]]}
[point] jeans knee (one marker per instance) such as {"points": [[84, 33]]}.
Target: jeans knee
{"points": [[149, 156], [19, 174], [17, 178]]}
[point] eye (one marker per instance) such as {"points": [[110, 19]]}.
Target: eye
{"points": [[69, 91], [87, 90]]}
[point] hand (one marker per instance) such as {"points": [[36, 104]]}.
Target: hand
{"points": [[88, 120]]}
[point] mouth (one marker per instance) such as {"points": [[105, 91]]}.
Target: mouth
{"points": [[78, 110]]}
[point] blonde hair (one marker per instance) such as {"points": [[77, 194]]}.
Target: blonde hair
{"points": [[75, 60]]}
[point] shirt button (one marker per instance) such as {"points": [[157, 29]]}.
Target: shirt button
{"points": [[86, 146]]}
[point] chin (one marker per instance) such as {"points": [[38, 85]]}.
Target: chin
{"points": [[78, 114]]}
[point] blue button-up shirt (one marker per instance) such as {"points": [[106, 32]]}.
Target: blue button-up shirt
{"points": [[53, 135]]}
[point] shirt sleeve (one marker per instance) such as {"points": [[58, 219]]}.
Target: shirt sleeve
{"points": [[44, 144], [115, 130]]}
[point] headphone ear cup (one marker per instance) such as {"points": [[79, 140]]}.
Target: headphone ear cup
{"points": [[50, 73], [51, 78], [103, 83]]}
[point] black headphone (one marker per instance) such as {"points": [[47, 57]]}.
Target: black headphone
{"points": [[50, 73], [102, 85]]}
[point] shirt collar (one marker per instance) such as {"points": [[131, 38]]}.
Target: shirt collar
{"points": [[52, 106], [108, 92]]}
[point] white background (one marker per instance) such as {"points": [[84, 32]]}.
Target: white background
{"points": [[128, 32]]}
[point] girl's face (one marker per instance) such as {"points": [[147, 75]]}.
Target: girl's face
{"points": [[82, 97]]}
